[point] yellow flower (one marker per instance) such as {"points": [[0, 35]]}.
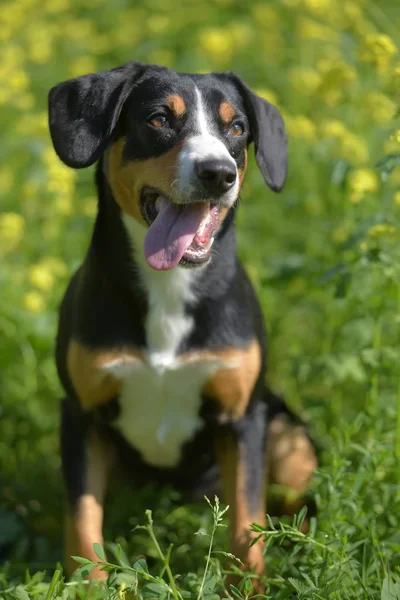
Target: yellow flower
{"points": [[34, 302], [56, 266], [362, 182], [335, 77], [12, 227], [354, 149], [309, 29], [379, 107], [392, 145], [320, 7], [304, 80], [396, 198], [61, 179], [18, 81], [382, 229], [378, 50], [217, 43], [41, 277], [301, 127], [333, 128]]}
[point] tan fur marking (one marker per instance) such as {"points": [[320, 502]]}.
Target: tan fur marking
{"points": [[92, 384], [231, 463], [242, 171], [127, 179], [226, 111], [292, 459], [232, 387], [83, 526], [177, 104]]}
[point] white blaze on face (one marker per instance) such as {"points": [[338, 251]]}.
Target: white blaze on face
{"points": [[201, 147]]}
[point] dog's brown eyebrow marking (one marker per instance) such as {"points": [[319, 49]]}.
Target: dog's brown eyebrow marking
{"points": [[177, 104], [226, 111]]}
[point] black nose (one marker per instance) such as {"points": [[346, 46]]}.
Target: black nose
{"points": [[217, 176]]}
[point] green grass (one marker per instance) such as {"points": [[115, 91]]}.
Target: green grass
{"points": [[323, 255]]}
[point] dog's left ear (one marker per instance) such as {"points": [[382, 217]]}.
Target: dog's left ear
{"points": [[83, 113], [268, 134]]}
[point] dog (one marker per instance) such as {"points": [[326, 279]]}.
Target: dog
{"points": [[161, 345]]}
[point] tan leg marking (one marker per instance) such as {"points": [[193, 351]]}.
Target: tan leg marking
{"points": [[232, 387], [231, 461], [83, 525], [92, 383], [292, 459], [291, 463]]}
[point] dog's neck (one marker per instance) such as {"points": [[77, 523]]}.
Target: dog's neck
{"points": [[170, 297]]}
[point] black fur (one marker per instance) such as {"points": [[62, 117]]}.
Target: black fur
{"points": [[106, 303]]}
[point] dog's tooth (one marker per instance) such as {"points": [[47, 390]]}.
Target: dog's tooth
{"points": [[210, 243], [158, 203]]}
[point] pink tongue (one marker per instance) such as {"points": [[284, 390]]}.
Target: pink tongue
{"points": [[171, 233]]}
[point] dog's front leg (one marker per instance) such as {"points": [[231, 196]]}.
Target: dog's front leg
{"points": [[241, 456], [85, 464]]}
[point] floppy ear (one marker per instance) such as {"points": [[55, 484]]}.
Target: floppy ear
{"points": [[83, 113], [268, 134]]}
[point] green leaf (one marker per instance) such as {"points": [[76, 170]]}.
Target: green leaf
{"points": [[141, 565], [210, 584], [248, 586], [19, 593], [157, 588], [81, 561], [236, 592], [99, 551], [85, 570], [390, 589]]}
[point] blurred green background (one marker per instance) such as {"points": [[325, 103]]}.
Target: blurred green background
{"points": [[323, 254]]}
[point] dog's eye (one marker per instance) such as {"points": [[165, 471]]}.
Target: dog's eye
{"points": [[159, 121], [237, 129]]}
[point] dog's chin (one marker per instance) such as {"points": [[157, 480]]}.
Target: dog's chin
{"points": [[198, 252]]}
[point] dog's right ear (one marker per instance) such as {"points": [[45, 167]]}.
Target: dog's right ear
{"points": [[83, 113]]}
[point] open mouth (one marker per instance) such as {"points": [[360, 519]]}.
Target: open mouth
{"points": [[178, 233]]}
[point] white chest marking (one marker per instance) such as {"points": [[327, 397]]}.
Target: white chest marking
{"points": [[168, 292], [161, 395], [160, 406]]}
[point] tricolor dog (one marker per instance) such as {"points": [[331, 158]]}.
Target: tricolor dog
{"points": [[161, 346]]}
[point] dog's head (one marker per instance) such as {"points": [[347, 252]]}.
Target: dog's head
{"points": [[174, 146]]}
